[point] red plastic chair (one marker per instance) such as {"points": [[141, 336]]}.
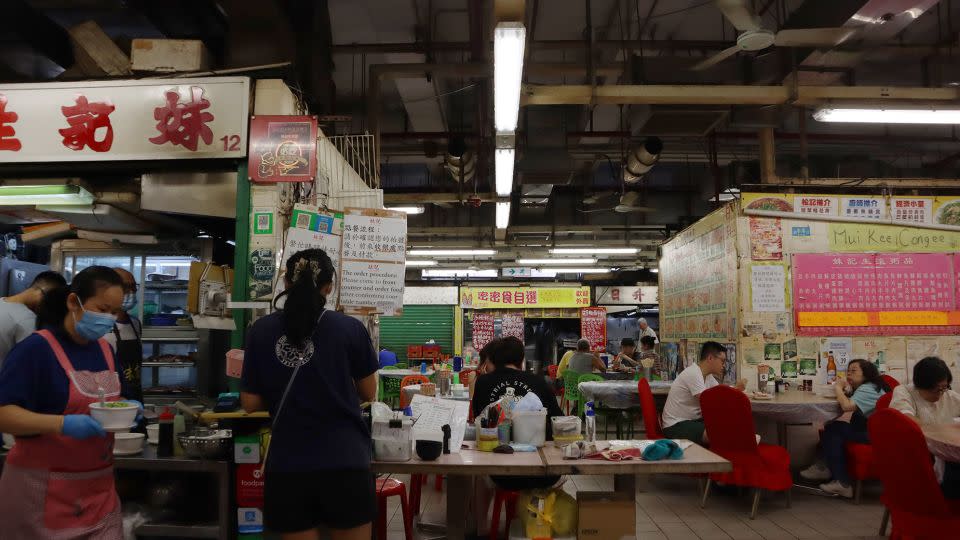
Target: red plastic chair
{"points": [[860, 461], [410, 380], [910, 490], [729, 425], [386, 488], [648, 407], [507, 498], [891, 382]]}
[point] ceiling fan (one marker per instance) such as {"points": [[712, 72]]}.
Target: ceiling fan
{"points": [[754, 37]]}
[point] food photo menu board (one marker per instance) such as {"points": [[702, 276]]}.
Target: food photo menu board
{"points": [[875, 294]]}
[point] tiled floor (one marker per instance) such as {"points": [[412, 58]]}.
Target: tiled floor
{"points": [[669, 509]]}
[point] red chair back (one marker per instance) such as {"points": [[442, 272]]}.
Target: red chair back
{"points": [[728, 420], [884, 401], [904, 465], [410, 380], [651, 420], [891, 382], [466, 375]]}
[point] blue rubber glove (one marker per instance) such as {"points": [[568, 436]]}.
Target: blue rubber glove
{"points": [[139, 408], [82, 426]]}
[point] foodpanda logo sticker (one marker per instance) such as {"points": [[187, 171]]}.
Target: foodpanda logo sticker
{"points": [[257, 474]]}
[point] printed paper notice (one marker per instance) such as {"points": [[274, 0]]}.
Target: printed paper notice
{"points": [[432, 413], [768, 286], [301, 239], [373, 268]]}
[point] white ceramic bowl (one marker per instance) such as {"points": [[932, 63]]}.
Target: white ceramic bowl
{"points": [[153, 433], [114, 417], [128, 443], [8, 440]]}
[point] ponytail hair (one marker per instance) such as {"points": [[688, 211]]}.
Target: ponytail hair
{"points": [[307, 273], [89, 281]]}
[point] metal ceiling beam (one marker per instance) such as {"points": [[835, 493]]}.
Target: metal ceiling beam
{"points": [[729, 95], [39, 31], [543, 44]]}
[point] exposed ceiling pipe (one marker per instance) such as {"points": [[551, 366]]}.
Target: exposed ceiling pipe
{"points": [[653, 46]]}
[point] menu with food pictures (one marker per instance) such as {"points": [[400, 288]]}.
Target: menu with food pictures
{"points": [[766, 239], [874, 294]]}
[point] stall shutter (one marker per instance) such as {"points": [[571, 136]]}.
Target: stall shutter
{"points": [[416, 326]]}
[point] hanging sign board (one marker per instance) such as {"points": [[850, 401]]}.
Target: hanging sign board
{"points": [[483, 329], [124, 120], [524, 297], [283, 148], [373, 263], [593, 327], [511, 324]]}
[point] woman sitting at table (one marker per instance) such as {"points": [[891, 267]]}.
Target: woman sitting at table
{"points": [[929, 400], [858, 397]]}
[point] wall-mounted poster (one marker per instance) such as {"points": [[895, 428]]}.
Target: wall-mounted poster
{"points": [[283, 148], [768, 287], [511, 324], [766, 239], [483, 329], [730, 370], [593, 327], [373, 261]]}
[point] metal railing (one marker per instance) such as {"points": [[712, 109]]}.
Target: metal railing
{"points": [[361, 153]]}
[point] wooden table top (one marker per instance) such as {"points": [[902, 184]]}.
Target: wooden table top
{"points": [[469, 462], [696, 459]]}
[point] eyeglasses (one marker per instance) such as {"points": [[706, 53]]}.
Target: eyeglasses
{"points": [[942, 389]]}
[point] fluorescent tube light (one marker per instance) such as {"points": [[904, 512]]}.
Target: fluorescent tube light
{"points": [[533, 262], [455, 273], [889, 116], [44, 195], [417, 209], [594, 251], [509, 40], [503, 215], [504, 159], [655, 270], [451, 252], [421, 263], [576, 270]]}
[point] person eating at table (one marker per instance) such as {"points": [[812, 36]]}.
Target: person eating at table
{"points": [[930, 400], [682, 418], [857, 396], [584, 361], [486, 363], [628, 357]]}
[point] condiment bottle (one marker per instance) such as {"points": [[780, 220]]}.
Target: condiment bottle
{"points": [[165, 434], [591, 428], [179, 426]]}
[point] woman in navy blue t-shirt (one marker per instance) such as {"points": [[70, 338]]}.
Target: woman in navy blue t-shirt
{"points": [[311, 368]]}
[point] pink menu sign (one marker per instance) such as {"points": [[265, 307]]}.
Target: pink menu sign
{"points": [[873, 283]]}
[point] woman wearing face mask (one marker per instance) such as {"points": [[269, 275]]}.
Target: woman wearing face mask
{"points": [[58, 479]]}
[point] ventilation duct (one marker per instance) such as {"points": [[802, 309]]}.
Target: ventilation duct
{"points": [[461, 168], [642, 159]]}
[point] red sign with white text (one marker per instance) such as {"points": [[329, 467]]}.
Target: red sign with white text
{"points": [[593, 327], [483, 329]]}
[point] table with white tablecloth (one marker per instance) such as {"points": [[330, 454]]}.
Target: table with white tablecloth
{"points": [[414, 389], [619, 394], [943, 440], [401, 373], [795, 407]]}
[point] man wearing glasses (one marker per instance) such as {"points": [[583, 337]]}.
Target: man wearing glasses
{"points": [[18, 313], [125, 339], [682, 418]]}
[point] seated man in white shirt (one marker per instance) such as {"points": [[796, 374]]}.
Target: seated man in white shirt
{"points": [[682, 418]]}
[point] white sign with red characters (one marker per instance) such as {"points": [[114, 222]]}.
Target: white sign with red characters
{"points": [[815, 204], [912, 210], [593, 327], [124, 120]]}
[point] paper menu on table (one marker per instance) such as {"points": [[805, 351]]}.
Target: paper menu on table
{"points": [[432, 413]]}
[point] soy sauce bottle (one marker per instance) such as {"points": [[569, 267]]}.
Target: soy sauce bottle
{"points": [[165, 435]]}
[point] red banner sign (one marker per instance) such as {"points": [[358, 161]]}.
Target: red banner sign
{"points": [[483, 324], [283, 148], [593, 327]]}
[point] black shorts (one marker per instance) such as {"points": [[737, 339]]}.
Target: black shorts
{"points": [[336, 499]]}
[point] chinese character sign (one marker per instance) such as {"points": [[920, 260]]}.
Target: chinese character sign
{"points": [[512, 325], [124, 120], [815, 204], [593, 327], [911, 210], [373, 260], [300, 239], [483, 324], [768, 284], [863, 207], [524, 297]]}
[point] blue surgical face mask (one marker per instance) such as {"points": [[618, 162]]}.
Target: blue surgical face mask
{"points": [[129, 301], [94, 325]]}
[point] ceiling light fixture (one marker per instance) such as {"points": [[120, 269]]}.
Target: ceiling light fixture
{"points": [[421, 263], [594, 251], [575, 270], [44, 195], [455, 273], [417, 209], [504, 159], [503, 214], [451, 252], [509, 41], [889, 116], [534, 262], [655, 270]]}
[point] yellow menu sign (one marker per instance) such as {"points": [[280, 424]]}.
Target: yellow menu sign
{"points": [[856, 237], [524, 297]]}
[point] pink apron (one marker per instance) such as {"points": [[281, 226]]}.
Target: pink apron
{"points": [[58, 488]]}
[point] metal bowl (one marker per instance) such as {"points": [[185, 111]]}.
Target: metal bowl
{"points": [[215, 446]]}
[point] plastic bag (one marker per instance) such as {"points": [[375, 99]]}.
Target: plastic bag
{"points": [[559, 510], [529, 402]]}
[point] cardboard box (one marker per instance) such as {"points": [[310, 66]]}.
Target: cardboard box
{"points": [[169, 55], [606, 516]]}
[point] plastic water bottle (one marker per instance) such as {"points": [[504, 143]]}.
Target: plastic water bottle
{"points": [[423, 368], [508, 402], [591, 433]]}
